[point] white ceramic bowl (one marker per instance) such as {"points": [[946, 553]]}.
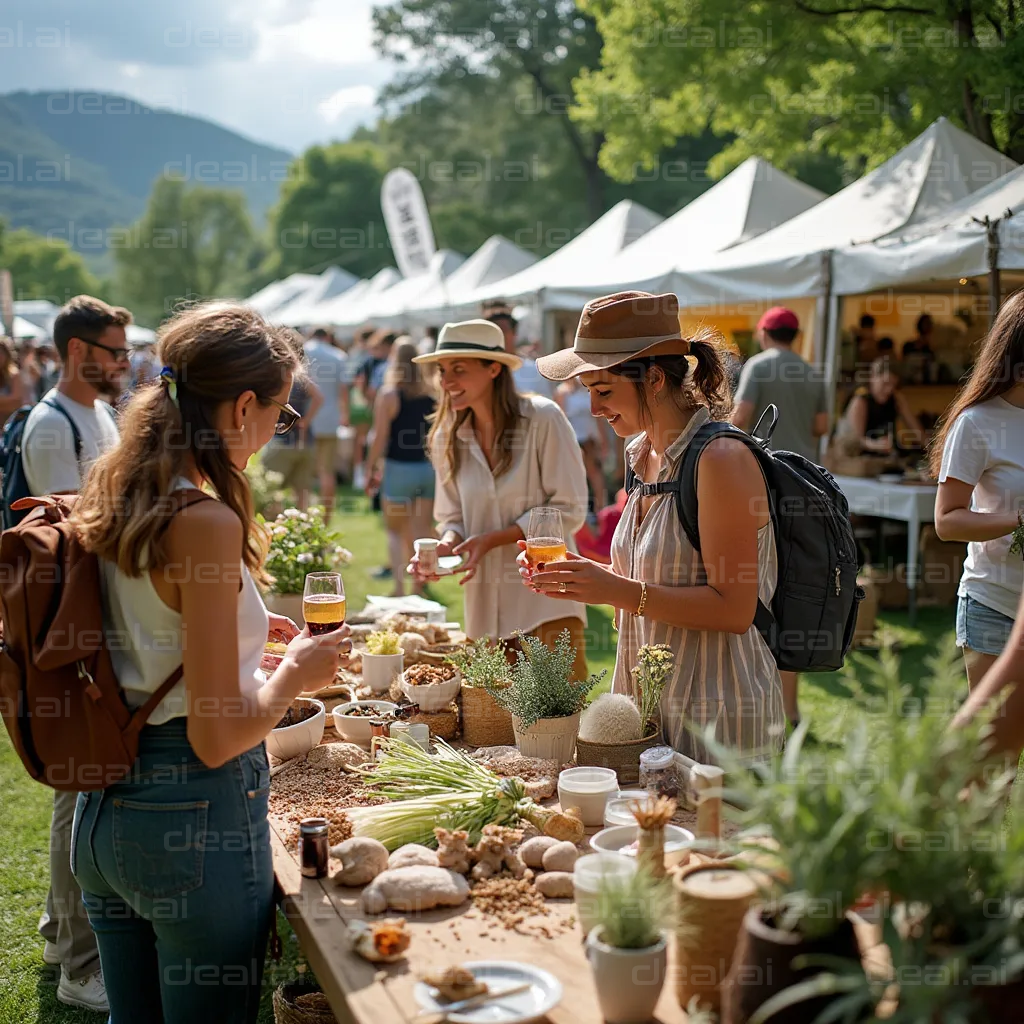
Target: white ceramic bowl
{"points": [[433, 696], [618, 837], [354, 729], [294, 740]]}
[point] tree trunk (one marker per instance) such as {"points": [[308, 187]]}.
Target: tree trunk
{"points": [[979, 122]]}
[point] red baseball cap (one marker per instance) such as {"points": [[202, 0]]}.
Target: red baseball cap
{"points": [[778, 317]]}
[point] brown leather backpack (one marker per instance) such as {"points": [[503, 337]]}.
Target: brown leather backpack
{"points": [[59, 698]]}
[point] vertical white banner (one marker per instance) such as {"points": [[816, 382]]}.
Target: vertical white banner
{"points": [[408, 222], [6, 303]]}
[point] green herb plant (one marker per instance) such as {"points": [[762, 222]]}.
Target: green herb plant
{"points": [[301, 543], [632, 912], [482, 664], [541, 684], [654, 663], [1017, 544], [383, 641]]}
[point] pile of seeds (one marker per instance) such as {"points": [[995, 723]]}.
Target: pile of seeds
{"points": [[510, 900], [425, 674]]}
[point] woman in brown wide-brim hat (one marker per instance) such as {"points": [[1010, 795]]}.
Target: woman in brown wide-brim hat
{"points": [[646, 379]]}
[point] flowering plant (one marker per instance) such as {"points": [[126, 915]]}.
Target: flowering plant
{"points": [[300, 543], [266, 486], [654, 663]]}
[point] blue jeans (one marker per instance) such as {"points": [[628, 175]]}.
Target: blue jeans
{"points": [[980, 628], [407, 481], [177, 878]]}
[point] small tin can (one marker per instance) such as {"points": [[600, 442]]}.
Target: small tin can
{"points": [[314, 847], [378, 733]]}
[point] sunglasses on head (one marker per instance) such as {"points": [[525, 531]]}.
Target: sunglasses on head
{"points": [[288, 418]]}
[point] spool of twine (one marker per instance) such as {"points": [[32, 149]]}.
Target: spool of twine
{"points": [[711, 902], [707, 784]]}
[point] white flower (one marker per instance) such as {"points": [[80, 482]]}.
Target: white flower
{"points": [[280, 531], [305, 558], [291, 513], [343, 555]]}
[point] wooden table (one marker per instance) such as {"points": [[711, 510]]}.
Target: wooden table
{"points": [[364, 993]]}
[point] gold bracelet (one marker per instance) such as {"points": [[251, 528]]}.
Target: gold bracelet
{"points": [[643, 599]]}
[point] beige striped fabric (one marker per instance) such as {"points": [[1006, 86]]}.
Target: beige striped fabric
{"points": [[726, 680]]}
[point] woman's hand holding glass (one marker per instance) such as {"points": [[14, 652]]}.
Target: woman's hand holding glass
{"points": [[574, 579], [311, 662]]}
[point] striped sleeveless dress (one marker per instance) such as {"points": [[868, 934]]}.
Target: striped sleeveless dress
{"points": [[726, 680]]}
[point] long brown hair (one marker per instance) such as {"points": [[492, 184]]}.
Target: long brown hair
{"points": [[443, 442], [402, 373], [707, 385], [8, 365], [1000, 365], [216, 352]]}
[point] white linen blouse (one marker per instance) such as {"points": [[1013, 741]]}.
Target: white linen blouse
{"points": [[547, 469]]}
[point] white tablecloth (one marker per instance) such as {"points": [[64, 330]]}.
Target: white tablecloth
{"points": [[913, 504]]}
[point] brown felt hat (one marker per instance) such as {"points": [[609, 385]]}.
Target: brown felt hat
{"points": [[616, 328]]}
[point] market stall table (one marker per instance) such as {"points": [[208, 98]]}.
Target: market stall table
{"points": [[911, 503], [363, 993]]}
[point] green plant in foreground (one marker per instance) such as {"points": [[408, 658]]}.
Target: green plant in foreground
{"points": [[301, 543], [482, 663], [632, 912], [541, 684], [383, 641]]}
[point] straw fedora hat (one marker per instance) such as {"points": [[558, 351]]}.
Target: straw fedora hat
{"points": [[471, 339], [616, 328]]}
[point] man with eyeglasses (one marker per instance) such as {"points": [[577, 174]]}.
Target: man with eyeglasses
{"points": [[73, 425]]}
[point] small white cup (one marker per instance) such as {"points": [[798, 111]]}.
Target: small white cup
{"points": [[589, 872], [426, 552]]}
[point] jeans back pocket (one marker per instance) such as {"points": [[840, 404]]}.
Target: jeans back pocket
{"points": [[159, 847]]}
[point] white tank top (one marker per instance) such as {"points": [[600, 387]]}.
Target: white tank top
{"points": [[144, 638], [577, 411]]}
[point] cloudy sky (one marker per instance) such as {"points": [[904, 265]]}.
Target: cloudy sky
{"points": [[287, 72]]}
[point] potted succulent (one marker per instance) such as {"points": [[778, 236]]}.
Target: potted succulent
{"points": [[628, 948], [383, 660], [544, 701], [616, 729], [300, 543], [484, 667]]}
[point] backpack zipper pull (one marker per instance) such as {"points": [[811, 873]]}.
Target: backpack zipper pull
{"points": [[838, 587]]}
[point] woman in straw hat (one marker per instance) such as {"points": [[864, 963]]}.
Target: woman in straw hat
{"points": [[498, 455], [645, 379]]}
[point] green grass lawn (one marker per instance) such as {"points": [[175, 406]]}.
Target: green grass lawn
{"points": [[27, 985]]}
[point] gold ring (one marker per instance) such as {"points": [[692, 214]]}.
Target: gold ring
{"points": [[561, 588]]}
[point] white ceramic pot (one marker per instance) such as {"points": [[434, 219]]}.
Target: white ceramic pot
{"points": [[381, 670], [294, 740], [588, 790], [628, 981], [553, 739], [433, 697], [286, 604], [356, 728]]}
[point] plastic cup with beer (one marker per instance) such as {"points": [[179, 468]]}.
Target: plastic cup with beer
{"points": [[545, 538]]}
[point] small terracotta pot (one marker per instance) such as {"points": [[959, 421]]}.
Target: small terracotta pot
{"points": [[763, 967]]}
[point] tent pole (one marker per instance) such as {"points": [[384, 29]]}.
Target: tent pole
{"points": [[992, 254], [830, 333]]}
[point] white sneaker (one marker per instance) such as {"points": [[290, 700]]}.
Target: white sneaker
{"points": [[89, 992], [50, 954], [359, 478]]}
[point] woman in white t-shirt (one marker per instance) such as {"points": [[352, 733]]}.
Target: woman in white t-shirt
{"points": [[979, 460], [174, 861]]}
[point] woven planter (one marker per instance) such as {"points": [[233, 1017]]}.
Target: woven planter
{"points": [[288, 1011], [551, 739], [623, 757], [485, 723], [444, 724]]}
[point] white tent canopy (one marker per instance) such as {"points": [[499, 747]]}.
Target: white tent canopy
{"points": [[25, 329], [301, 310], [495, 260], [350, 308], [750, 200], [276, 294], [39, 312], [941, 166], [583, 258], [388, 308]]}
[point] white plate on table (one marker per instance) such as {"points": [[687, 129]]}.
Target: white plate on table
{"points": [[543, 995]]}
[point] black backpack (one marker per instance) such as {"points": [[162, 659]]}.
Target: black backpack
{"points": [[13, 482], [813, 613]]}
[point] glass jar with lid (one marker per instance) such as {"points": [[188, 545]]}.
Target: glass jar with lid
{"points": [[658, 772]]}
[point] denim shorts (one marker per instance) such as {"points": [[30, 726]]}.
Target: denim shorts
{"points": [[981, 628], [405, 481]]}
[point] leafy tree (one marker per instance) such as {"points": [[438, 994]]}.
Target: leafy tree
{"points": [[787, 80], [42, 268], [329, 213], [190, 243]]}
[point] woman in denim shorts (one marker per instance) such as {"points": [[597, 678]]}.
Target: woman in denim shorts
{"points": [[979, 461], [174, 861]]}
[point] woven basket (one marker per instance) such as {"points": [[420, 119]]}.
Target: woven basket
{"points": [[485, 723], [286, 1011], [623, 757], [440, 723]]}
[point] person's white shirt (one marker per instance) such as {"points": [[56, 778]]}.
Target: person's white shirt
{"points": [[327, 370], [985, 448], [529, 380], [48, 445]]}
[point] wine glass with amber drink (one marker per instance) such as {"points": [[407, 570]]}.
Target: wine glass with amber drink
{"points": [[323, 602], [545, 540]]}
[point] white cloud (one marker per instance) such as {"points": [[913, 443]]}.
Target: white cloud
{"points": [[131, 70], [348, 100]]}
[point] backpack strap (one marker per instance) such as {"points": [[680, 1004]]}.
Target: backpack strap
{"points": [[75, 436]]}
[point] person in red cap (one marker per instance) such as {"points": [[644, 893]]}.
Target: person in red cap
{"points": [[778, 376]]}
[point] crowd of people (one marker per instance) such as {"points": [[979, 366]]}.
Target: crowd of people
{"points": [[461, 435]]}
